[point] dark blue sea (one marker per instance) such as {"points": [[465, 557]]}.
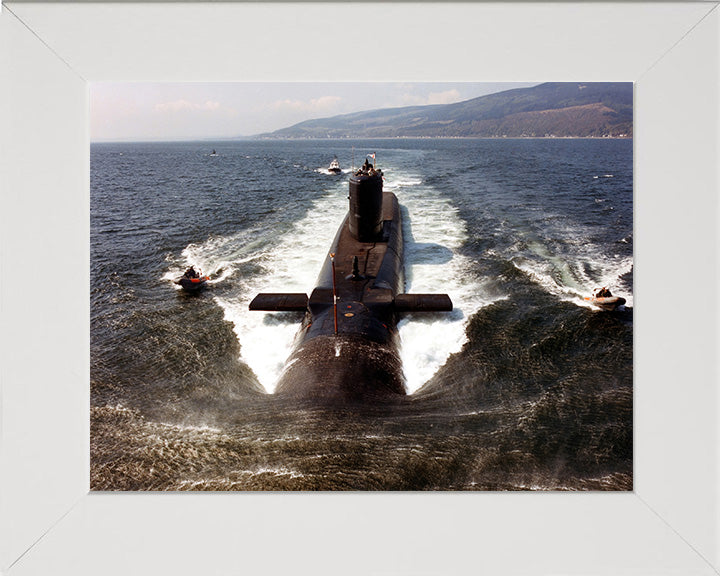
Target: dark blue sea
{"points": [[525, 386]]}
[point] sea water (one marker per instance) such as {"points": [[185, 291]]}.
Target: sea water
{"points": [[523, 386]]}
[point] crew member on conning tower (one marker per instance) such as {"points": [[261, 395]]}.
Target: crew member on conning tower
{"points": [[368, 169]]}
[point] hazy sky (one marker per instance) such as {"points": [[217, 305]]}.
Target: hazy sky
{"points": [[175, 111]]}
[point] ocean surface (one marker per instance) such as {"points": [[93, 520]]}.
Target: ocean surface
{"points": [[525, 386]]}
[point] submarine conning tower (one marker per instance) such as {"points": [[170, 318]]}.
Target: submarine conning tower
{"points": [[365, 218]]}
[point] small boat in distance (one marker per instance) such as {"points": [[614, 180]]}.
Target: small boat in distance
{"points": [[192, 281], [334, 167], [214, 153], [603, 298]]}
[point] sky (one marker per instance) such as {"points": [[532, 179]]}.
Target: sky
{"points": [[189, 111]]}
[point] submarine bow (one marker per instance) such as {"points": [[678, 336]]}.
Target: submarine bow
{"points": [[347, 347]]}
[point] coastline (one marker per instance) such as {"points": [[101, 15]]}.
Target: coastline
{"points": [[349, 138]]}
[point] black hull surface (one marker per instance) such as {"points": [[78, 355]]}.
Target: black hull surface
{"points": [[362, 359], [349, 349]]}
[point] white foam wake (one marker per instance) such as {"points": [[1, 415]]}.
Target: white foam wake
{"points": [[574, 276], [218, 257], [291, 262], [434, 232], [292, 265]]}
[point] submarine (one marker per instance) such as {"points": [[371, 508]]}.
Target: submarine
{"points": [[347, 346]]}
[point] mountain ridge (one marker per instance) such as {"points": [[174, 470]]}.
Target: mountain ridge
{"points": [[553, 109]]}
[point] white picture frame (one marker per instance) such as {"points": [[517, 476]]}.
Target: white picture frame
{"points": [[51, 524]]}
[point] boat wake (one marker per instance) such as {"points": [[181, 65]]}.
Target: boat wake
{"points": [[575, 274], [254, 261], [219, 257], [291, 264], [434, 232]]}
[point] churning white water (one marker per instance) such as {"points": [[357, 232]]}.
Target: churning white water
{"points": [[291, 265], [434, 232], [291, 261]]}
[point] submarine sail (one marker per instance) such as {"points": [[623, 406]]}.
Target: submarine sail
{"points": [[347, 347]]}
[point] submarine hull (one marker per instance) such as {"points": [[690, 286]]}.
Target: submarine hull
{"points": [[347, 347], [343, 368], [351, 352]]}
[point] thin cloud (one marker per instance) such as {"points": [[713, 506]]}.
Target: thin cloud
{"points": [[314, 105], [187, 106], [446, 97]]}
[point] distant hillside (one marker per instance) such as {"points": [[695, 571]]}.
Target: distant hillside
{"points": [[562, 109]]}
